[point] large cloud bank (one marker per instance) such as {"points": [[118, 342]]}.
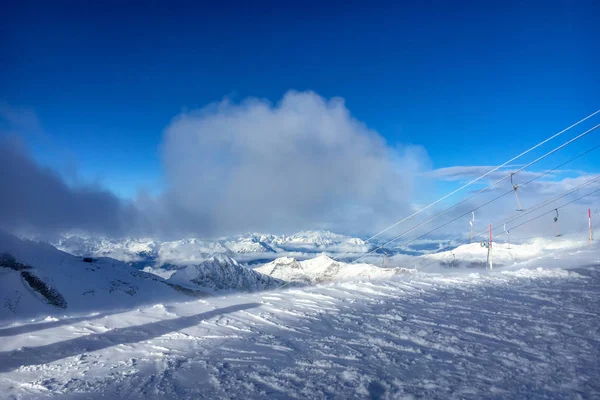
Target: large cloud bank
{"points": [[37, 200], [304, 162]]}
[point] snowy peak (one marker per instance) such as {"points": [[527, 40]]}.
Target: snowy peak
{"points": [[127, 250], [324, 269], [249, 247], [246, 245], [221, 272], [318, 239]]}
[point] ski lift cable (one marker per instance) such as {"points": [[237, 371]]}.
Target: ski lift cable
{"points": [[548, 201], [482, 190], [470, 183], [483, 233], [535, 218], [533, 209], [489, 172], [537, 206], [551, 211]]}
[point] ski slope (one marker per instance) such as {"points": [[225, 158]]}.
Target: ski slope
{"points": [[527, 331]]}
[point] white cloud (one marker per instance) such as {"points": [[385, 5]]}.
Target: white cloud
{"points": [[304, 162], [38, 200]]}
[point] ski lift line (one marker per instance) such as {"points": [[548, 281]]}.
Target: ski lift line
{"points": [[490, 171], [468, 184], [551, 211], [484, 237], [548, 201], [519, 216], [475, 209], [492, 200], [543, 203], [535, 208], [482, 190]]}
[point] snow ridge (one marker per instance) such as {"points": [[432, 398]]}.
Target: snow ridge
{"points": [[221, 272], [325, 269], [101, 284]]}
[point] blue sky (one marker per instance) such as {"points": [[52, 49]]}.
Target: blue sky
{"points": [[106, 78], [473, 83]]}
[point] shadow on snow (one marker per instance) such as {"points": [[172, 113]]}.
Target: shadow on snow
{"points": [[12, 360]]}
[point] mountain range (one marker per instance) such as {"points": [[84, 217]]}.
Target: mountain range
{"points": [[251, 248]]}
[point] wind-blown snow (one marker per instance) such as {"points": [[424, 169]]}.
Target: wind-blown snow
{"points": [[517, 333], [527, 329]]}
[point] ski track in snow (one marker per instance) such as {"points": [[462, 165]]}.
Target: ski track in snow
{"points": [[532, 333]]}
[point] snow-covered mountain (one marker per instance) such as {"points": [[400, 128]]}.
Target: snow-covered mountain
{"points": [[221, 272], [324, 269], [38, 279], [127, 250], [186, 251], [248, 248], [321, 241]]}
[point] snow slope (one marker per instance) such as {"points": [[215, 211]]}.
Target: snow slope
{"points": [[503, 254], [104, 284], [221, 272], [324, 269], [514, 333]]}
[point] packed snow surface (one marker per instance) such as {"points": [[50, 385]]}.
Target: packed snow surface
{"points": [[531, 330]]}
